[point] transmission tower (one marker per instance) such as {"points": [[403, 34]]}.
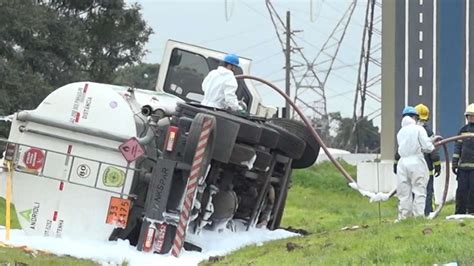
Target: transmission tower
{"points": [[310, 87], [370, 65]]}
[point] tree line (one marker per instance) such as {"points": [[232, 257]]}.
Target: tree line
{"points": [[45, 44]]}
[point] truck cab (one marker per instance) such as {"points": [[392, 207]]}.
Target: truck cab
{"points": [[184, 67]]}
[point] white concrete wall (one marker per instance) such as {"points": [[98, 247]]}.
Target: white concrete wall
{"points": [[379, 177], [351, 158]]}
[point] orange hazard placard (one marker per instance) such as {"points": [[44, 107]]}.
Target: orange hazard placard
{"points": [[118, 212]]}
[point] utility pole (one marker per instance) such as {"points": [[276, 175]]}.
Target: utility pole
{"points": [[287, 63]]}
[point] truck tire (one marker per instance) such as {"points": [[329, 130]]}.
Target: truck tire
{"points": [[269, 137], [249, 132], [311, 151], [288, 143], [193, 141], [241, 154], [263, 161]]}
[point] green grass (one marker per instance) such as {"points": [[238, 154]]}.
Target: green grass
{"points": [[16, 256], [14, 219], [321, 203]]}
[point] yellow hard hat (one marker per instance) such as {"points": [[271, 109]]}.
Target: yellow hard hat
{"points": [[423, 111], [470, 109]]}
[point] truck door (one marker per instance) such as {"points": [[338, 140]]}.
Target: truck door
{"points": [[185, 66]]}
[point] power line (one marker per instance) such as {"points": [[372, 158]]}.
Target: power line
{"points": [[367, 62], [230, 36], [256, 45], [259, 61], [252, 8], [310, 88]]}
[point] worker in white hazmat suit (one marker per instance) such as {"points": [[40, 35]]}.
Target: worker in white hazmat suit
{"points": [[220, 86], [412, 171]]}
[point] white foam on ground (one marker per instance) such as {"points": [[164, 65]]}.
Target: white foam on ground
{"points": [[460, 216], [373, 197], [112, 253]]}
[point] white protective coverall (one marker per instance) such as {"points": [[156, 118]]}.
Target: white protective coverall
{"points": [[412, 172], [219, 88]]}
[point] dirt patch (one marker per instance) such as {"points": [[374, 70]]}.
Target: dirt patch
{"points": [[297, 230], [290, 246], [214, 259]]}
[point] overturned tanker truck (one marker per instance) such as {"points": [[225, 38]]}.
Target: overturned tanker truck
{"points": [[99, 161]]}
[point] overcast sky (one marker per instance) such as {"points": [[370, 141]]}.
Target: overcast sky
{"points": [[247, 30]]}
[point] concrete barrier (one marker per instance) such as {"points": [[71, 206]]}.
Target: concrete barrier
{"points": [[379, 177]]}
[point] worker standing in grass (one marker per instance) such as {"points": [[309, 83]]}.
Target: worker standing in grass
{"points": [[412, 172], [432, 159], [463, 166], [220, 85]]}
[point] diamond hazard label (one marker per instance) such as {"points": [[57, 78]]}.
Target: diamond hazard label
{"points": [[131, 149], [33, 158]]}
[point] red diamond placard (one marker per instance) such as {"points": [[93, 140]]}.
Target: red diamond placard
{"points": [[131, 149]]}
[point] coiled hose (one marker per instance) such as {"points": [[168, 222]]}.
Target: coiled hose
{"points": [[439, 141]]}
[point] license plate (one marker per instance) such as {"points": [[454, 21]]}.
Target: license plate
{"points": [[118, 212]]}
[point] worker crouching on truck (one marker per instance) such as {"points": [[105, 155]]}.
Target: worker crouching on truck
{"points": [[463, 166], [412, 172], [220, 85]]}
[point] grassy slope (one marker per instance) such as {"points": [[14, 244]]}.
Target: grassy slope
{"points": [[16, 256], [321, 203]]}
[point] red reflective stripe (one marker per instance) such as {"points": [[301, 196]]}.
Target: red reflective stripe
{"points": [[61, 185], [191, 188], [55, 216], [69, 149], [85, 88]]}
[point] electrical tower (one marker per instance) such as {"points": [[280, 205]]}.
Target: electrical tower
{"points": [[310, 87], [369, 74]]}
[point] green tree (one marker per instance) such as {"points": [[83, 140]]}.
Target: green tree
{"points": [[141, 76], [113, 35], [47, 44], [365, 137]]}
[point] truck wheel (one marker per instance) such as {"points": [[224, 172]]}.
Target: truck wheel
{"points": [[263, 161], [269, 137], [242, 154], [193, 140], [249, 132], [196, 152], [288, 143], [311, 151], [192, 147]]}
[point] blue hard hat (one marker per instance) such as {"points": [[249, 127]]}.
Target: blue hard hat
{"points": [[232, 59], [409, 110]]}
